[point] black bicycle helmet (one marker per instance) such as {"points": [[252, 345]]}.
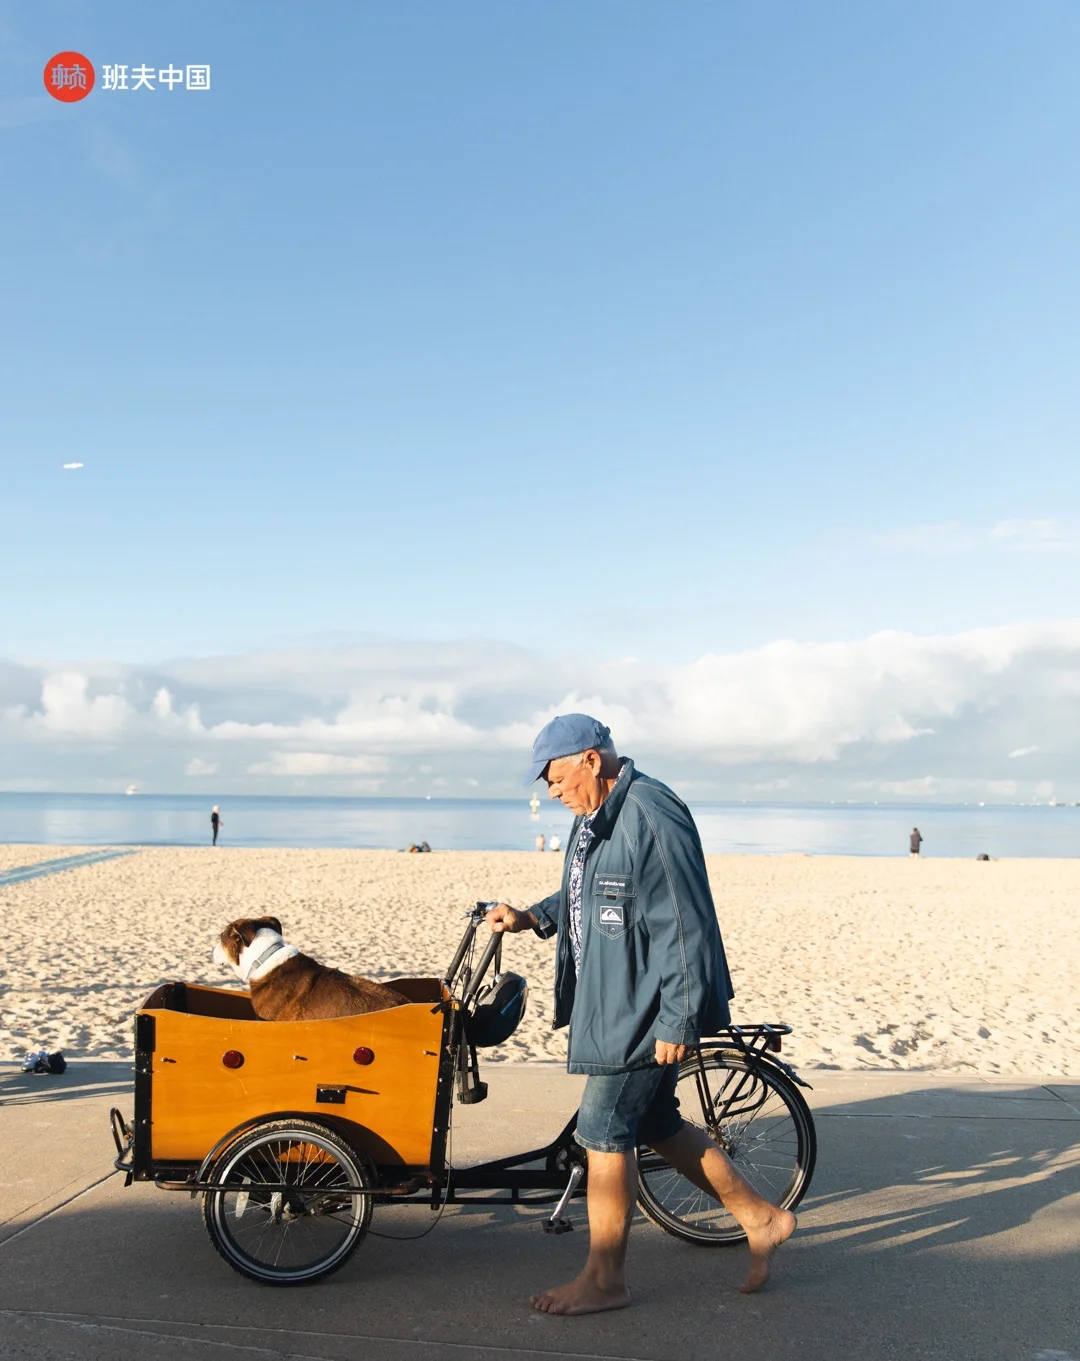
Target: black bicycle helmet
{"points": [[499, 1009]]}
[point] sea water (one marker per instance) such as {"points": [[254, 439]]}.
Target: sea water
{"points": [[496, 824]]}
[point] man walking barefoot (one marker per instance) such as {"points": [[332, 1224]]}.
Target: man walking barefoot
{"points": [[640, 977]]}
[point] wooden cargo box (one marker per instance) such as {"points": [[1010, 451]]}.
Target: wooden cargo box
{"points": [[205, 1064]]}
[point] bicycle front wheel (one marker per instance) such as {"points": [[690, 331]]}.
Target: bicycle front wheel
{"points": [[295, 1205], [757, 1115]]}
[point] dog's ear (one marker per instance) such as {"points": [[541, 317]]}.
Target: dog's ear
{"points": [[231, 942], [244, 931], [270, 923]]}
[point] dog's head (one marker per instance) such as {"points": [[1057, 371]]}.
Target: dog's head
{"points": [[238, 935]]}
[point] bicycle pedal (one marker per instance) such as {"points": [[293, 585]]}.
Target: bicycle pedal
{"points": [[557, 1226]]}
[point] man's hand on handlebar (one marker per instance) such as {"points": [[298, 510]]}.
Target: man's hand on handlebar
{"points": [[503, 917]]}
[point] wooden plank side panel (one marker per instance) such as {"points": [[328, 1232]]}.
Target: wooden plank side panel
{"points": [[197, 1100]]}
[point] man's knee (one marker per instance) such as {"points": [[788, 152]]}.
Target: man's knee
{"points": [[605, 1166]]}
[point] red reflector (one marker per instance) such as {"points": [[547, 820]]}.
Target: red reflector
{"points": [[232, 1058], [773, 1043], [363, 1055]]}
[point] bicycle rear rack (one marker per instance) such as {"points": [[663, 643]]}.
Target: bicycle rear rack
{"points": [[742, 1094]]}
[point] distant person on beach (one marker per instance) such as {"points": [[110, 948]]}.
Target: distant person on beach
{"points": [[555, 844], [916, 840], [540, 843], [640, 968], [216, 823]]}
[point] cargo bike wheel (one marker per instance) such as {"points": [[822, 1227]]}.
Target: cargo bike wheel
{"points": [[759, 1118], [295, 1205]]}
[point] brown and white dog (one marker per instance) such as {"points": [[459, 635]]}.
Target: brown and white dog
{"points": [[289, 986]]}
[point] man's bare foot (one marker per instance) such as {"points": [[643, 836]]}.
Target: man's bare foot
{"points": [[764, 1239], [581, 1296]]}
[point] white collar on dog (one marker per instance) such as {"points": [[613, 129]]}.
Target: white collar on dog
{"points": [[266, 951]]}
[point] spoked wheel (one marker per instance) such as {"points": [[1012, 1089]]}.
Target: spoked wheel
{"points": [[297, 1205], [760, 1120]]}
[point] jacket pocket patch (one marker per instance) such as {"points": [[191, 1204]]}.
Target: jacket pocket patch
{"points": [[613, 906]]}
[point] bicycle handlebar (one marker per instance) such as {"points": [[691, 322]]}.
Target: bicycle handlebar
{"points": [[482, 965], [475, 916]]}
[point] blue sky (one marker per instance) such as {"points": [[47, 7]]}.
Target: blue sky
{"points": [[605, 330]]}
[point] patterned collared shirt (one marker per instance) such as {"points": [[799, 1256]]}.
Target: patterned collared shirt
{"points": [[577, 879], [586, 837]]}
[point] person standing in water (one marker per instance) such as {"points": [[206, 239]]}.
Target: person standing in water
{"points": [[916, 840], [215, 823]]}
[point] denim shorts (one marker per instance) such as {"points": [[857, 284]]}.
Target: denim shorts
{"points": [[621, 1110]]}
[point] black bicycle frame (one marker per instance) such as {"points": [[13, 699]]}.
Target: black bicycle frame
{"points": [[516, 1177], [513, 1175]]}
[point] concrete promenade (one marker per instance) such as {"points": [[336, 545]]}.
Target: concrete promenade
{"points": [[943, 1224]]}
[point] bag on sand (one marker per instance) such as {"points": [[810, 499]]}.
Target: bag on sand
{"points": [[41, 1061]]}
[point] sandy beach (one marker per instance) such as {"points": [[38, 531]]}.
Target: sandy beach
{"points": [[946, 965]]}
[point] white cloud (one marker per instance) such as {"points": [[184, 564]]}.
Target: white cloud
{"points": [[924, 787], [1010, 536], [807, 718], [1036, 536], [97, 703], [951, 537], [317, 763], [68, 709]]}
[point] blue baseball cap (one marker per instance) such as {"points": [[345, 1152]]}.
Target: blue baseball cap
{"points": [[565, 736]]}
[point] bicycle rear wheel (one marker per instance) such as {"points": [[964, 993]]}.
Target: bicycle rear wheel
{"points": [[759, 1118]]}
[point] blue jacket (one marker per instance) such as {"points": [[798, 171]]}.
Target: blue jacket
{"points": [[652, 961]]}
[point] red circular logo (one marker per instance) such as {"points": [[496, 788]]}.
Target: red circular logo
{"points": [[69, 76]]}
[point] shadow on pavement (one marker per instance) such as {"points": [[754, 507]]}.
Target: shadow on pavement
{"points": [[942, 1224], [962, 1169], [81, 1080]]}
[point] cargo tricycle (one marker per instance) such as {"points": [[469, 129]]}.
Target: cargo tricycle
{"points": [[291, 1133]]}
